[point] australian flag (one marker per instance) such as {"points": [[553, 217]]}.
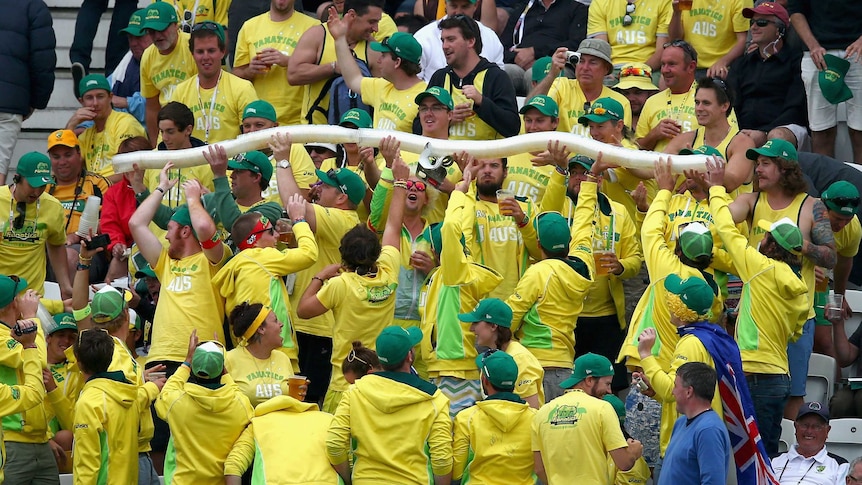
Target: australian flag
{"points": [[749, 453]]}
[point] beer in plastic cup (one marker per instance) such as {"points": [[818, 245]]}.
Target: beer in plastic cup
{"points": [[597, 257], [284, 228], [503, 194], [294, 383], [834, 306]]}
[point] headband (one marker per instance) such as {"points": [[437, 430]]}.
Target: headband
{"points": [[252, 329], [261, 225]]}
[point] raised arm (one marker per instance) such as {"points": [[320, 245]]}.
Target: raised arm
{"points": [[338, 27], [147, 242], [202, 223], [392, 233]]}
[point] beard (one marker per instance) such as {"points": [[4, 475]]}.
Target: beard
{"points": [[489, 189]]}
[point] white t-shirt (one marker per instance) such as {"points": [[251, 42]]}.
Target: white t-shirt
{"points": [[432, 48]]}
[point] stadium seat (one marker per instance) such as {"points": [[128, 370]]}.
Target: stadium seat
{"points": [[788, 435], [66, 479], [845, 438], [821, 378]]}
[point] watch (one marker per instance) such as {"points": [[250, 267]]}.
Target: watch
{"points": [[284, 164]]}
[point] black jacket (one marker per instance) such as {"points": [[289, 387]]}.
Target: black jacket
{"points": [[27, 56], [563, 24], [499, 108]]}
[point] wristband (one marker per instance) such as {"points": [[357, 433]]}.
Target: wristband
{"points": [[187, 364], [84, 260], [160, 190], [81, 313], [562, 171], [525, 221], [318, 278], [400, 184], [298, 220], [82, 267], [212, 242]]}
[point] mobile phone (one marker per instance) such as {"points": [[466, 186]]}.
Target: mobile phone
{"points": [[100, 241]]}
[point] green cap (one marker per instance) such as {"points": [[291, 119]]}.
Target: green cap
{"points": [[774, 148], [617, 404], [348, 182], [136, 21], [581, 160], [357, 117], [702, 150], [93, 81], [182, 216], [63, 321], [145, 272], [785, 233], [841, 197], [694, 292], [831, 79], [402, 45], [541, 68], [553, 231], [394, 343], [500, 369], [159, 15], [108, 303], [214, 27], [545, 104], [491, 310], [135, 320], [253, 161], [695, 240], [36, 168], [588, 365], [437, 93], [10, 288], [208, 360], [603, 109], [259, 109]]}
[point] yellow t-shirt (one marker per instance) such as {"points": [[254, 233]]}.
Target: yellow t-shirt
{"points": [[99, 148], [571, 100], [205, 10], [530, 372], [635, 43], [394, 109], [259, 379], [576, 428], [218, 111], [385, 28], [362, 306], [848, 238], [73, 204], [711, 26], [260, 33], [679, 107], [302, 167], [188, 301], [176, 197], [524, 179], [23, 249], [160, 74]]}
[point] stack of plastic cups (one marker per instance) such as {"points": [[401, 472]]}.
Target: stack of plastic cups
{"points": [[90, 217]]}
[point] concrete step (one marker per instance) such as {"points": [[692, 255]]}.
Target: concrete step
{"points": [[64, 29]]}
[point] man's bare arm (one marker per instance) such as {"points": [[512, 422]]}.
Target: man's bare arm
{"points": [[821, 248], [302, 68]]}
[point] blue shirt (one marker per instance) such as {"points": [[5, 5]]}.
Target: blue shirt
{"points": [[698, 453]]}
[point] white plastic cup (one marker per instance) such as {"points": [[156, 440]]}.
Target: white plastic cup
{"points": [[834, 306], [90, 217]]}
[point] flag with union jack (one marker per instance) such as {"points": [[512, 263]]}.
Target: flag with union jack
{"points": [[752, 463]]}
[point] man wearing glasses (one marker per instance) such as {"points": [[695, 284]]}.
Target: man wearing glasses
{"points": [[217, 98], [163, 65], [808, 461], [636, 30]]}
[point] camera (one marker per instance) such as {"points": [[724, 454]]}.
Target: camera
{"points": [[100, 241], [19, 331], [572, 57]]}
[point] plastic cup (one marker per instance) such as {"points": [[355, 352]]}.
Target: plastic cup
{"points": [[90, 217], [293, 386], [597, 257], [284, 227], [502, 195], [834, 306]]}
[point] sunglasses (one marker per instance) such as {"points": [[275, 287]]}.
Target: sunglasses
{"points": [[761, 22], [333, 174], [83, 332], [468, 22], [437, 108], [485, 355], [419, 186], [18, 222], [352, 356], [188, 16], [720, 83], [685, 46], [630, 9], [845, 201], [269, 229], [206, 25]]}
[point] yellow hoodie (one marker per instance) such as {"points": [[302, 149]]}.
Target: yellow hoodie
{"points": [[492, 442], [106, 431], [550, 295], [205, 422], [30, 426], [18, 398], [393, 418], [774, 303], [286, 440]]}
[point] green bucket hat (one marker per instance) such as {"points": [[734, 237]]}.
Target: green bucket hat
{"points": [[253, 161], [831, 79], [588, 365], [108, 303], [394, 343], [491, 310], [582, 160], [348, 182], [259, 109], [208, 360], [437, 93], [93, 81], [545, 104], [603, 109], [500, 369], [702, 150], [63, 321], [401, 44], [136, 22], [357, 117], [841, 197], [541, 68], [36, 168], [158, 16], [694, 292], [10, 288], [553, 231], [785, 232], [695, 240], [774, 148]]}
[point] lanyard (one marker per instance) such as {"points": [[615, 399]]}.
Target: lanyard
{"points": [[518, 33], [12, 207], [79, 188], [208, 117]]}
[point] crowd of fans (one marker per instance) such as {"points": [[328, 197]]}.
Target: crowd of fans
{"points": [[315, 313]]}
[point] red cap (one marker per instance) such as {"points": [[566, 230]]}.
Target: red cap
{"points": [[768, 8]]}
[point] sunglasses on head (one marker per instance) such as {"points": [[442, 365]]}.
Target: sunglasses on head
{"points": [[333, 174], [630, 9], [206, 25], [685, 46], [845, 201], [81, 333], [352, 356], [467, 21]]}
